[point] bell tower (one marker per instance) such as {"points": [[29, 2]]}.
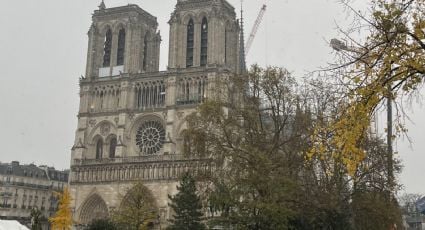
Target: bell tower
{"points": [[203, 33], [122, 40], [132, 118]]}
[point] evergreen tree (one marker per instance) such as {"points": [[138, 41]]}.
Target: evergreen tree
{"points": [[187, 206]]}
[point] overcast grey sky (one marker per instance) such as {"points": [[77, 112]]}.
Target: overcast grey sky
{"points": [[43, 47]]}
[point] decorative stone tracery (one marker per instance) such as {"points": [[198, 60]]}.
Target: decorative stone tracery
{"points": [[191, 90], [105, 98], [166, 170], [94, 208], [150, 94], [150, 137]]}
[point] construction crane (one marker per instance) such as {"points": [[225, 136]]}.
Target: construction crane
{"points": [[255, 28]]}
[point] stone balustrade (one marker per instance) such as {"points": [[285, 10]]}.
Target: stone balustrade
{"points": [[160, 167]]}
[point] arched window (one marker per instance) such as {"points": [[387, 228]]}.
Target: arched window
{"points": [[99, 149], [145, 51], [112, 147], [204, 41], [189, 44], [107, 48], [121, 47]]}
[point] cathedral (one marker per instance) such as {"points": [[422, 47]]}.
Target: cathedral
{"points": [[131, 115]]}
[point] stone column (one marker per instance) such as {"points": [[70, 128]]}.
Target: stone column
{"points": [[114, 48], [172, 45], [90, 52]]}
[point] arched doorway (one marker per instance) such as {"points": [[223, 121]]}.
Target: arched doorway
{"points": [[93, 208], [140, 202]]}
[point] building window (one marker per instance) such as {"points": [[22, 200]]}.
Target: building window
{"points": [[30, 202], [15, 201], [107, 49], [145, 52], [121, 47], [112, 147], [43, 201], [189, 44], [99, 149], [24, 200], [204, 42]]}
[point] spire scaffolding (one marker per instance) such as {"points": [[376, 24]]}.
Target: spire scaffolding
{"points": [[242, 60]]}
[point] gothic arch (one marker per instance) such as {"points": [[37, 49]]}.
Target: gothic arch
{"points": [[118, 26], [111, 145], [104, 28], [142, 118], [187, 17], [136, 190], [97, 129], [93, 208], [200, 16], [92, 147]]}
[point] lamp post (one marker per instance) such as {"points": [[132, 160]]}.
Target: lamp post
{"points": [[339, 45]]}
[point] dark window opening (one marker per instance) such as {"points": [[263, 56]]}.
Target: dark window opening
{"points": [[225, 46], [145, 51], [112, 147], [189, 44], [99, 149], [121, 47], [204, 42], [107, 49]]}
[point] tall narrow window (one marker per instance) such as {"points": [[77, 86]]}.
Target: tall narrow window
{"points": [[225, 46], [189, 44], [204, 42], [99, 149], [145, 51], [101, 100], [107, 45], [112, 147], [121, 47]]}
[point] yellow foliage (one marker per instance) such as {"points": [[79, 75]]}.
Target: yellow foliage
{"points": [[62, 220], [391, 62]]}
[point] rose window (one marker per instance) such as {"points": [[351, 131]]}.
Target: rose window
{"points": [[150, 137]]}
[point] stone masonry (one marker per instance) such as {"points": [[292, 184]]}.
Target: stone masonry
{"points": [[132, 116]]}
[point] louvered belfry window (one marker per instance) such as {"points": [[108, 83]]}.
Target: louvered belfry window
{"points": [[204, 42], [107, 49], [189, 44], [121, 47]]}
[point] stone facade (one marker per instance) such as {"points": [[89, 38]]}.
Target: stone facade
{"points": [[24, 187], [132, 116]]}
